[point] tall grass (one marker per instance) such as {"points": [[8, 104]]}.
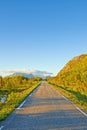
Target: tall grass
{"points": [[15, 97], [77, 97]]}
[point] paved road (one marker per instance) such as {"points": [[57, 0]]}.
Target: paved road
{"points": [[46, 109]]}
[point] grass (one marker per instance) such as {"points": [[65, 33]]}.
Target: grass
{"points": [[14, 99], [75, 96]]}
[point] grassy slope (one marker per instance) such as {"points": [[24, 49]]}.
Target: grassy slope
{"points": [[72, 80], [15, 98]]}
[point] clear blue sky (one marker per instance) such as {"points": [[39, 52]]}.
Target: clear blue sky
{"points": [[41, 34]]}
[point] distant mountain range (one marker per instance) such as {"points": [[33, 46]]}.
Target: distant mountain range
{"points": [[28, 73]]}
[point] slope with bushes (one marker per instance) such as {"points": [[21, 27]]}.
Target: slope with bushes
{"points": [[15, 89], [72, 79]]}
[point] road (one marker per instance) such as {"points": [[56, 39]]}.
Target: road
{"points": [[46, 109]]}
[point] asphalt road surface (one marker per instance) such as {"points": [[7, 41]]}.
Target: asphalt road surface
{"points": [[46, 109]]}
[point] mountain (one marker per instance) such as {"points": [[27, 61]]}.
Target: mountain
{"points": [[71, 81], [24, 74], [28, 73], [74, 73], [77, 64]]}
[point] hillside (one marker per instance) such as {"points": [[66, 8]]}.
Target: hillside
{"points": [[74, 74], [72, 80]]}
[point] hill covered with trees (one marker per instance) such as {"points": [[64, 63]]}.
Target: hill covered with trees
{"points": [[73, 78], [74, 74]]}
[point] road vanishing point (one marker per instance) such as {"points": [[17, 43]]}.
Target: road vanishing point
{"points": [[46, 109]]}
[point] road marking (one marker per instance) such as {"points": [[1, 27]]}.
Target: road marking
{"points": [[74, 105], [31, 94], [81, 111], [1, 127], [21, 104], [25, 100], [65, 98]]}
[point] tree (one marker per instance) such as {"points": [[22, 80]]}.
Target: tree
{"points": [[1, 81]]}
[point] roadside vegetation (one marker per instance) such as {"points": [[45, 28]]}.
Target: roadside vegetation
{"points": [[71, 81], [13, 90]]}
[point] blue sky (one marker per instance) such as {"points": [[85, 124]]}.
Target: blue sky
{"points": [[41, 34]]}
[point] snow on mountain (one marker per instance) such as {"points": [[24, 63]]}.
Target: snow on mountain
{"points": [[28, 73]]}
